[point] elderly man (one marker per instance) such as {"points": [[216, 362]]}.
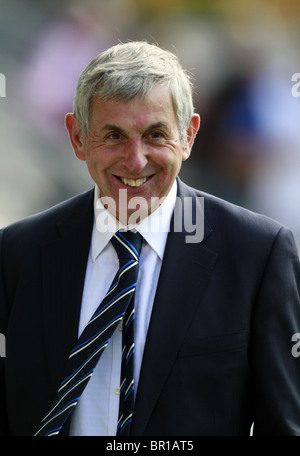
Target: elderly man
{"points": [[117, 320]]}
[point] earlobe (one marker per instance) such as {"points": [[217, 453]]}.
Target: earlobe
{"points": [[75, 135]]}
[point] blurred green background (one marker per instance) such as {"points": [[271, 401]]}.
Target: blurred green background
{"points": [[242, 55]]}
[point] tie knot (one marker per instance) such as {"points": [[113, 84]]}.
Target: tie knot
{"points": [[127, 244]]}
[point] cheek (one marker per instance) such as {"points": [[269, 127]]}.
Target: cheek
{"points": [[168, 157], [173, 162], [96, 160]]}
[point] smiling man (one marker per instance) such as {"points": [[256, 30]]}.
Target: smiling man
{"points": [[134, 146], [117, 329]]}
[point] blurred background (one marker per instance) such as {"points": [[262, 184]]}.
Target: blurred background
{"points": [[242, 55]]}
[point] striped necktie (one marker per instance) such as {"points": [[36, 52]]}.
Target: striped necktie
{"points": [[127, 373], [95, 337]]}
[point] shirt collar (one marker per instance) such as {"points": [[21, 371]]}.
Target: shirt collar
{"points": [[154, 228]]}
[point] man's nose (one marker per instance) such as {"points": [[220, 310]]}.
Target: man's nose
{"points": [[135, 158]]}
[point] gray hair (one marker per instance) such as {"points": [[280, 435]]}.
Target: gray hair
{"points": [[126, 70]]}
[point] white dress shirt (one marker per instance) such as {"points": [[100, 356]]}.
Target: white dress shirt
{"points": [[96, 413]]}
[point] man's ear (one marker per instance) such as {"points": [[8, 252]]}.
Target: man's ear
{"points": [[192, 131], [75, 134]]}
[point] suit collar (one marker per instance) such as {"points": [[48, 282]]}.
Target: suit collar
{"points": [[186, 269], [63, 262], [75, 213]]}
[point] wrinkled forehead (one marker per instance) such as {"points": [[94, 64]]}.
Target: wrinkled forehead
{"points": [[156, 108]]}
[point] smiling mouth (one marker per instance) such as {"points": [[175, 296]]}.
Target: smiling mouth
{"points": [[133, 182]]}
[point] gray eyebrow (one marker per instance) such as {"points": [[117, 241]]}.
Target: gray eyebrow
{"points": [[112, 127]]}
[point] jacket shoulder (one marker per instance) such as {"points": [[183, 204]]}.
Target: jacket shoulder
{"points": [[39, 226], [231, 220]]}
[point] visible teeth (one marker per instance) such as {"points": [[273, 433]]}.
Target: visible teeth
{"points": [[133, 182]]}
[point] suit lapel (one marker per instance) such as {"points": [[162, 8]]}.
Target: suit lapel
{"points": [[63, 269], [185, 272]]}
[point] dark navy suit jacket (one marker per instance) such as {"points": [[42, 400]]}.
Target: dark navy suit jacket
{"points": [[218, 351]]}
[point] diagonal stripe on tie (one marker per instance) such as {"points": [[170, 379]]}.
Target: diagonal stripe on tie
{"points": [[95, 337], [127, 371]]}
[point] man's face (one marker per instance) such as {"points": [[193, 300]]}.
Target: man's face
{"points": [[133, 146]]}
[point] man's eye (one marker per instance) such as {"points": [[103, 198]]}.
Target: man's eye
{"points": [[114, 136], [156, 135]]}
